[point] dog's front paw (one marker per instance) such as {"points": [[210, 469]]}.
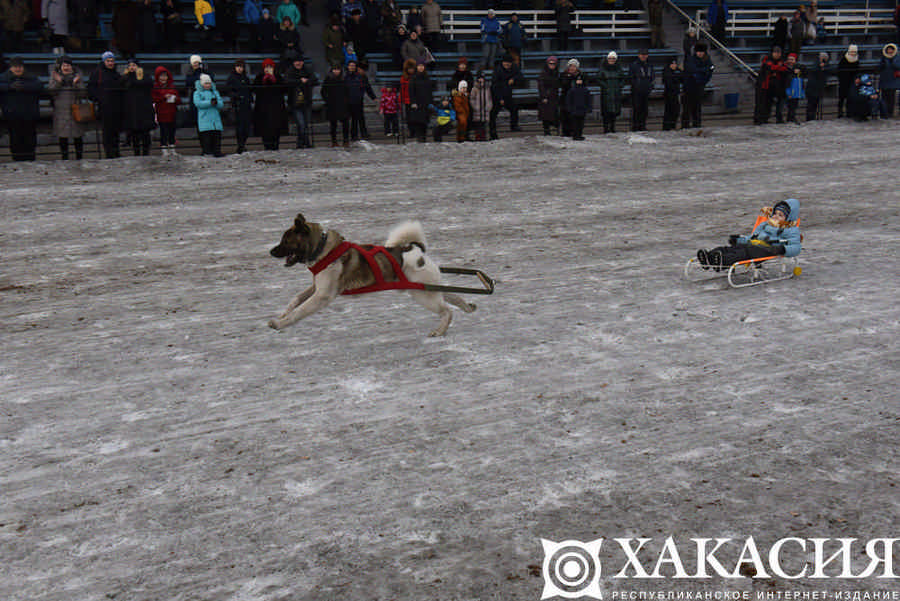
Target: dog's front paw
{"points": [[273, 323], [437, 333]]}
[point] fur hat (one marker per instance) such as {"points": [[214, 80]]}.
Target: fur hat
{"points": [[887, 47], [463, 85], [195, 59], [573, 62], [852, 54], [205, 79], [612, 55], [106, 55]]}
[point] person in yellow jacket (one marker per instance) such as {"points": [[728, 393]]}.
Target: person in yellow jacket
{"points": [[205, 13]]}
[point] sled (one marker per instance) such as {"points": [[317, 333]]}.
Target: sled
{"points": [[749, 272]]}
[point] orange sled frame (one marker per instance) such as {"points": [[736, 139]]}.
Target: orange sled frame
{"points": [[750, 272]]}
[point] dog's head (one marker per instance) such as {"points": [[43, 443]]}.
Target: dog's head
{"points": [[298, 242]]}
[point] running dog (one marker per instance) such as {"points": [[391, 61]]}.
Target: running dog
{"points": [[350, 271]]}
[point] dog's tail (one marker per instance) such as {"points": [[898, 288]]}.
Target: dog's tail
{"points": [[408, 232]]}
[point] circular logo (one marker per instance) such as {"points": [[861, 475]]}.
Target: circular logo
{"points": [[571, 569]]}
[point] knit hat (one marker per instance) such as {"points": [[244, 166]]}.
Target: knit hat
{"points": [[205, 79], [491, 12], [16, 61], [63, 60], [106, 55], [823, 56], [239, 62], [643, 51], [701, 47], [134, 60], [462, 61], [552, 59], [784, 207], [852, 54], [507, 58], [421, 61], [268, 63], [573, 62], [195, 59], [612, 55], [463, 85], [792, 55]]}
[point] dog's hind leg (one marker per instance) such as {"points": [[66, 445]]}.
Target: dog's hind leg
{"points": [[459, 302], [434, 301]]}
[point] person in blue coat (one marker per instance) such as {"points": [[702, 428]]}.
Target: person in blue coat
{"points": [[777, 235], [717, 17], [209, 122], [889, 77], [490, 39]]}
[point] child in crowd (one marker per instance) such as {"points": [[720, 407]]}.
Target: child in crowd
{"points": [[446, 119], [777, 235], [209, 121], [389, 107], [873, 106], [463, 110], [165, 100]]}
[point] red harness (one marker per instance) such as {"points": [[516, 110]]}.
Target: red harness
{"points": [[368, 254]]}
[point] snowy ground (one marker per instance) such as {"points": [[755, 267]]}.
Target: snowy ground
{"points": [[159, 442]]}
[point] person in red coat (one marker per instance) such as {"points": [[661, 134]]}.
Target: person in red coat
{"points": [[165, 101]]}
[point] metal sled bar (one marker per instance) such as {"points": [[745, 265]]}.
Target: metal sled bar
{"points": [[486, 281], [755, 269]]}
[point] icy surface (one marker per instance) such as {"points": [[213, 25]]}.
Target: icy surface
{"points": [[159, 442]]}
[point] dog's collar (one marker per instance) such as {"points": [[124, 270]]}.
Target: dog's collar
{"points": [[319, 247]]}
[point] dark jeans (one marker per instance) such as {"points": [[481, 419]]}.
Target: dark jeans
{"points": [[167, 134], [812, 108], [778, 102], [358, 122], [391, 124], [441, 130], [241, 132], [140, 141], [609, 123], [302, 119], [741, 252], [792, 109], [513, 117], [578, 127], [889, 95], [332, 128], [111, 138], [640, 108], [64, 148], [693, 102], [22, 140]]}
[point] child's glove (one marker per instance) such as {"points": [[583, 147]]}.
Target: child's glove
{"points": [[733, 239]]}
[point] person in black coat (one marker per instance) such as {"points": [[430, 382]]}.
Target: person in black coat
{"points": [[548, 95], [566, 81], [698, 71], [227, 23], [237, 87], [148, 30], [672, 77], [358, 87], [301, 81], [269, 115], [579, 104], [421, 92], [190, 83], [266, 33], [20, 97], [138, 114], [337, 103], [642, 77], [817, 77], [847, 72], [105, 88], [780, 32], [506, 77]]}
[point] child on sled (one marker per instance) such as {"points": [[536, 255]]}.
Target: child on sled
{"points": [[777, 235]]}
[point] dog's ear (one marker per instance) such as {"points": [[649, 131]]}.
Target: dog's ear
{"points": [[300, 224]]}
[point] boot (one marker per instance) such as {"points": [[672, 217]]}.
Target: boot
{"points": [[79, 148], [64, 148]]}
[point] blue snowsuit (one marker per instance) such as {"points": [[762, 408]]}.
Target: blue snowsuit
{"points": [[789, 236]]}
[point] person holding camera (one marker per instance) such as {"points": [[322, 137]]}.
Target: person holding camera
{"points": [[209, 122]]}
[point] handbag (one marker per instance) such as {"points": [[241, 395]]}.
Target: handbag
{"points": [[84, 112]]}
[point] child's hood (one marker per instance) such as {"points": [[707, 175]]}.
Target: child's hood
{"points": [[795, 208], [170, 83]]}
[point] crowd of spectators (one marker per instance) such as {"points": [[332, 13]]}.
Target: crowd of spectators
{"points": [[132, 102]]}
